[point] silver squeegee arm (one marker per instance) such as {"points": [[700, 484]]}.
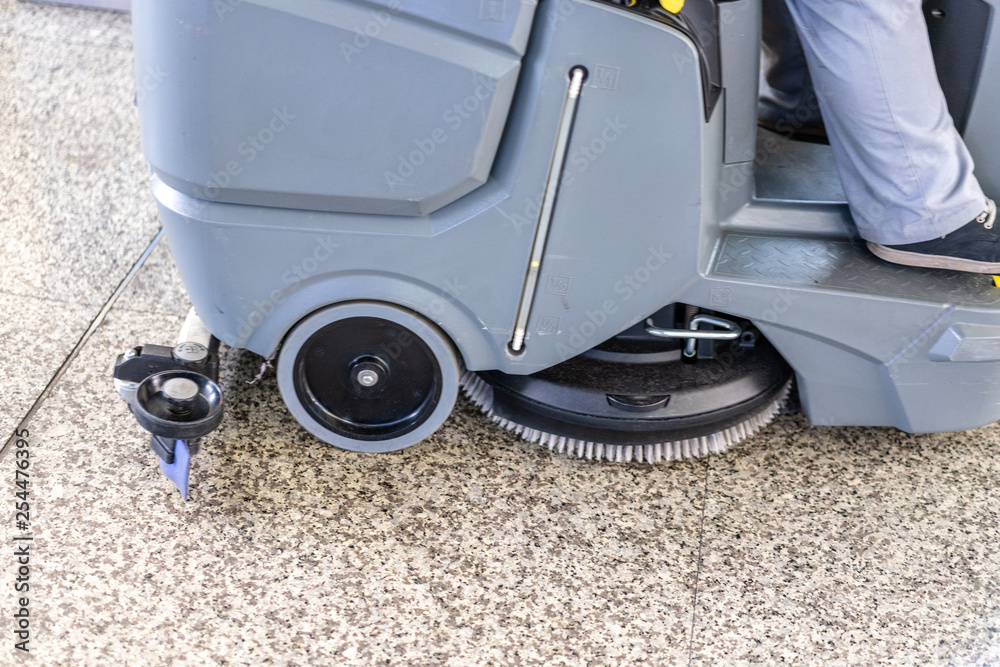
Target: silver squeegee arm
{"points": [[577, 76]]}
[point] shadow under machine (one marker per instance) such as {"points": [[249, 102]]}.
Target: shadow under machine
{"points": [[564, 207]]}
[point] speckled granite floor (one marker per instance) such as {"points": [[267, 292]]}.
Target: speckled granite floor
{"points": [[806, 546]]}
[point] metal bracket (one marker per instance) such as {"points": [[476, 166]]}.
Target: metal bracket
{"points": [[692, 335]]}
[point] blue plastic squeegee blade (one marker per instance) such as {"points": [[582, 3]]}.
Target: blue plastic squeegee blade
{"points": [[177, 472]]}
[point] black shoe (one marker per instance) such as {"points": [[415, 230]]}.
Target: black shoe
{"points": [[974, 248], [812, 132]]}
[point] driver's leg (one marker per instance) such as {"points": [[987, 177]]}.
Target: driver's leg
{"points": [[905, 169], [788, 103]]}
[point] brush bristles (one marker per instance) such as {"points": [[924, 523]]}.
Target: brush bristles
{"points": [[481, 394]]}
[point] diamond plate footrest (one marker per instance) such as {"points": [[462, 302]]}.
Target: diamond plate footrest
{"points": [[843, 265]]}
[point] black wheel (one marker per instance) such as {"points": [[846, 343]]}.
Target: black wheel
{"points": [[368, 377]]}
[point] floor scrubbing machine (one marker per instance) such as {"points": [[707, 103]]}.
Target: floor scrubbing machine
{"points": [[564, 207]]}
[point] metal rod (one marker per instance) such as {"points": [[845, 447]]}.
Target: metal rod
{"points": [[577, 76], [692, 335], [690, 345]]}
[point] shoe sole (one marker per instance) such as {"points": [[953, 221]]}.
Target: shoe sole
{"points": [[932, 261], [811, 135]]}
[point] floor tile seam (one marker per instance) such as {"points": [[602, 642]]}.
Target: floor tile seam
{"points": [[95, 323], [49, 299], [697, 574]]}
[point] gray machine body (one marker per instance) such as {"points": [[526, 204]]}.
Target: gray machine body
{"points": [[312, 152]]}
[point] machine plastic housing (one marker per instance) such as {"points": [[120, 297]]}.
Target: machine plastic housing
{"points": [[380, 107], [657, 205]]}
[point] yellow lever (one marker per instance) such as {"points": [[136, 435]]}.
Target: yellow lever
{"points": [[672, 6]]}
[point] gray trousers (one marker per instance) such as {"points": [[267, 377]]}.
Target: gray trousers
{"points": [[905, 169]]}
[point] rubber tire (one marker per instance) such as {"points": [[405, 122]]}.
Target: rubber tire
{"points": [[439, 345]]}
